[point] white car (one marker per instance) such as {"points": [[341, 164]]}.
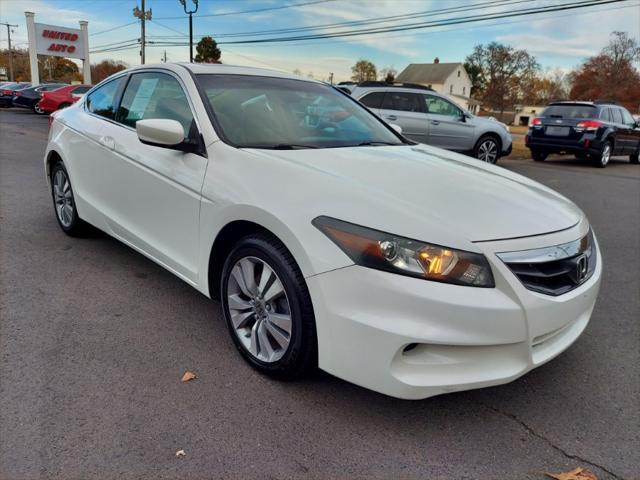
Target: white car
{"points": [[329, 238]]}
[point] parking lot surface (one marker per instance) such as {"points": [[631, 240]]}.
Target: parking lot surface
{"points": [[94, 339]]}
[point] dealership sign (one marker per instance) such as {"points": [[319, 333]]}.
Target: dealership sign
{"points": [[52, 40], [59, 41]]}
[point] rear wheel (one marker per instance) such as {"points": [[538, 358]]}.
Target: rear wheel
{"points": [[268, 309], [64, 202], [487, 149], [538, 155], [63, 105], [601, 160], [37, 109], [635, 157]]}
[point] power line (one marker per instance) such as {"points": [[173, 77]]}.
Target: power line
{"points": [[416, 26], [371, 21], [413, 26], [257, 10], [444, 22], [113, 28]]}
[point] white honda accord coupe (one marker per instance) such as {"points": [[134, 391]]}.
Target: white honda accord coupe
{"points": [[329, 238]]}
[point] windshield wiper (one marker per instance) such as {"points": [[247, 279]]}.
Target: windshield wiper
{"points": [[280, 146]]}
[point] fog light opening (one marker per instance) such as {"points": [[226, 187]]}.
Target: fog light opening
{"points": [[409, 347]]}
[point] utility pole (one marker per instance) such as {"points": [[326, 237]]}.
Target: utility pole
{"points": [[164, 58], [331, 78], [10, 52], [143, 16], [190, 13]]}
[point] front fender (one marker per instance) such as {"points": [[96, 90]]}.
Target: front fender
{"points": [[300, 240]]}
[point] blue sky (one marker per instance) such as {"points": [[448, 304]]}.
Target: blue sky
{"points": [[559, 40]]}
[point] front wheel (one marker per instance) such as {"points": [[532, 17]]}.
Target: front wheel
{"points": [[268, 308], [487, 150], [601, 160], [635, 158]]}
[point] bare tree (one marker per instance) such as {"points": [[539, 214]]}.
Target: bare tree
{"points": [[501, 74], [388, 74], [622, 48], [363, 70]]}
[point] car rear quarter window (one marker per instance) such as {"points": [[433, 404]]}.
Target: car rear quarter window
{"points": [[617, 115], [155, 95], [403, 102], [373, 100], [570, 111], [102, 101], [605, 115]]}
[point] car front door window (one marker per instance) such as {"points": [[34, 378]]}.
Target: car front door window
{"points": [[155, 95], [439, 106]]}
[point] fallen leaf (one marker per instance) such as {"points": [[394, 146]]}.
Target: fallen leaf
{"points": [[575, 474], [180, 453], [188, 376]]}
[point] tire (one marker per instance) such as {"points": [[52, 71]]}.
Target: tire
{"points": [[487, 149], [64, 203], [635, 157], [601, 160], [538, 155], [36, 109], [257, 323]]}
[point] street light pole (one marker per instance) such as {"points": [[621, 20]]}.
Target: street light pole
{"points": [[190, 13]]}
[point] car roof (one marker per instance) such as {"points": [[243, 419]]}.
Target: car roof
{"points": [[365, 89], [223, 69], [586, 103]]}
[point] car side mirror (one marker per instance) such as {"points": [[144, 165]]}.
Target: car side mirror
{"points": [[166, 133], [397, 128]]}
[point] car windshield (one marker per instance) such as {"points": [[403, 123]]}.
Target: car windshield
{"points": [[570, 111], [280, 113]]}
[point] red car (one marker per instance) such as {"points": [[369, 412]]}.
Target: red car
{"points": [[62, 97]]}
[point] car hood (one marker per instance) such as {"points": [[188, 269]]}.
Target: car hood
{"points": [[424, 193]]}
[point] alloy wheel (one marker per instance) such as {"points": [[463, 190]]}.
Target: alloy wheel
{"points": [[63, 198], [488, 151], [259, 309], [37, 108], [606, 154]]}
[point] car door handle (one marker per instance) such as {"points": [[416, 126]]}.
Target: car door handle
{"points": [[391, 117], [435, 122], [109, 142]]}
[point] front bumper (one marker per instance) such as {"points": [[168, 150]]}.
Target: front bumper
{"points": [[413, 339]]}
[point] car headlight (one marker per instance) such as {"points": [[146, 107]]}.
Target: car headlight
{"points": [[384, 251]]}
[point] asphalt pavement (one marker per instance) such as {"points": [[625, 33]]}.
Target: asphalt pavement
{"points": [[94, 339]]}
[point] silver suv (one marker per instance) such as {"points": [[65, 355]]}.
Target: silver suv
{"points": [[428, 117]]}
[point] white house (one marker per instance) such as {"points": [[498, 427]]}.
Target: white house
{"points": [[449, 79], [526, 113]]}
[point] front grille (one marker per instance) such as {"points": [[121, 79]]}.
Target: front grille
{"points": [[554, 270]]}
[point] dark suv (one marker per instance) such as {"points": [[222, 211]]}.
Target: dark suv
{"points": [[594, 130]]}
